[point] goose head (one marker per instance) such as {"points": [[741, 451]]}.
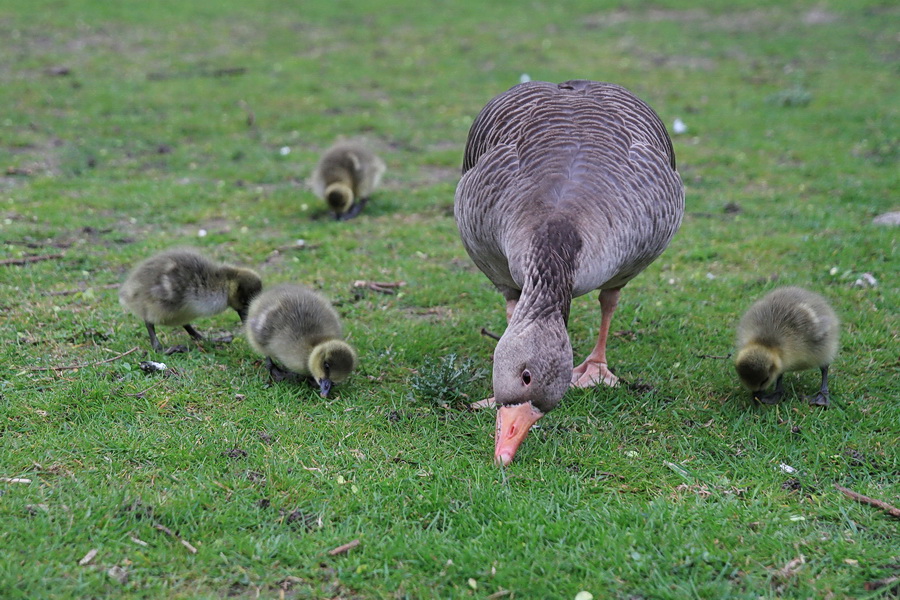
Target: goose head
{"points": [[758, 367], [243, 286], [339, 197], [331, 362], [532, 371]]}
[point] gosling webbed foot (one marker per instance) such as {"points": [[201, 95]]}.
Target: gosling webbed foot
{"points": [[278, 374], [354, 211], [275, 372], [771, 398], [820, 399], [774, 397]]}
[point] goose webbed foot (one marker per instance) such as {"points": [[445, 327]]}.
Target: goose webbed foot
{"points": [[177, 349], [486, 403], [591, 373], [222, 339]]}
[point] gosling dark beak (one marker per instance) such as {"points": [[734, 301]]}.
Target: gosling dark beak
{"points": [[242, 313], [325, 387], [513, 424]]}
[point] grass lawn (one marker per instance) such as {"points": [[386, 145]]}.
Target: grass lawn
{"points": [[129, 127]]}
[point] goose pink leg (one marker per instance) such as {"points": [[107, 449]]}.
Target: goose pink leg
{"points": [[594, 369]]}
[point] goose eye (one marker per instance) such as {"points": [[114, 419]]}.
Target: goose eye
{"points": [[526, 377]]}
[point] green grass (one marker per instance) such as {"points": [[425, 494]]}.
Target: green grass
{"points": [[128, 127]]}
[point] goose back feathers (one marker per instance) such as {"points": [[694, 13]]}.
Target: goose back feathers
{"points": [[583, 161]]}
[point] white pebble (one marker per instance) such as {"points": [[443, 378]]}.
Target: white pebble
{"points": [[524, 78], [833, 271], [787, 468], [866, 280], [285, 150], [678, 127], [201, 233], [583, 595]]}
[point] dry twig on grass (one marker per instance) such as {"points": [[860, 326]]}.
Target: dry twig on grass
{"points": [[84, 366], [14, 480], [344, 548], [882, 583], [28, 259], [891, 510], [490, 334], [171, 533], [108, 286], [382, 287]]}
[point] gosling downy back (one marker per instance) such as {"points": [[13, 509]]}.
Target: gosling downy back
{"points": [[346, 176], [180, 285], [789, 329], [298, 328], [566, 188]]}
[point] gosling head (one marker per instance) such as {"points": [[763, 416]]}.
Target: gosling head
{"points": [[339, 197], [243, 286], [758, 366], [532, 371], [331, 362]]}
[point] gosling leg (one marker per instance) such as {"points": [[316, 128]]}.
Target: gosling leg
{"points": [[154, 341], [821, 399], [278, 374], [775, 396], [193, 332]]}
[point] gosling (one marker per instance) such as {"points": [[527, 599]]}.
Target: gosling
{"points": [[345, 177], [789, 329], [178, 286], [300, 329]]}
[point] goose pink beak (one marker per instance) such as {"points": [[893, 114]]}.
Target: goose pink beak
{"points": [[513, 423]]}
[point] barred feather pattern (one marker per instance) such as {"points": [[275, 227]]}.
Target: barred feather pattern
{"points": [[585, 153]]}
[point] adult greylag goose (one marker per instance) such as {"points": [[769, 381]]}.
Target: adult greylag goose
{"points": [[566, 188], [345, 177], [788, 329], [180, 285], [300, 329]]}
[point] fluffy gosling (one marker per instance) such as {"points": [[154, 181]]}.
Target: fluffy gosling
{"points": [[789, 329], [178, 286], [300, 329], [345, 177]]}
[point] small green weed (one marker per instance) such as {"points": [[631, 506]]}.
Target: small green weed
{"points": [[448, 381]]}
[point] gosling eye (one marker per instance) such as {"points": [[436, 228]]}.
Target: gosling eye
{"points": [[327, 366], [526, 377]]}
